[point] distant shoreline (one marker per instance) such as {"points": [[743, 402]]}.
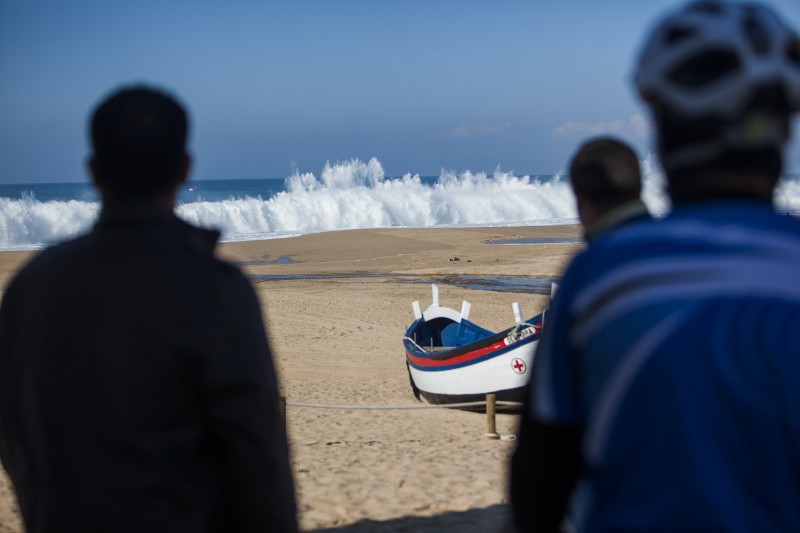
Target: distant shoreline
{"points": [[294, 234], [358, 250]]}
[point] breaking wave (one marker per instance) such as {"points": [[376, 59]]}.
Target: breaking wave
{"points": [[355, 194], [348, 195], [28, 223]]}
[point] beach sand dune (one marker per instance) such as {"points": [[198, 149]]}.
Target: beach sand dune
{"points": [[336, 305]]}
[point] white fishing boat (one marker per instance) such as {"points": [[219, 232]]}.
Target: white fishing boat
{"points": [[452, 360]]}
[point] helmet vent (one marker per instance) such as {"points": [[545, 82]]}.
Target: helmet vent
{"points": [[756, 34], [708, 7], [793, 52], [678, 33], [705, 68]]}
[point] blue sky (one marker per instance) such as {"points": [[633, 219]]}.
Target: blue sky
{"points": [[422, 85]]}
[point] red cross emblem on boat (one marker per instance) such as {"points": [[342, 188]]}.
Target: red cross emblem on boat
{"points": [[518, 365]]}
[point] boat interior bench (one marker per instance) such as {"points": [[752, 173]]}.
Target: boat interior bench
{"points": [[463, 333]]}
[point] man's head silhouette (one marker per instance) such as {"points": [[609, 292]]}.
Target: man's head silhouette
{"points": [[138, 137]]}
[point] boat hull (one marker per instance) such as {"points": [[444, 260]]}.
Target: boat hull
{"points": [[514, 395], [453, 360], [502, 367]]}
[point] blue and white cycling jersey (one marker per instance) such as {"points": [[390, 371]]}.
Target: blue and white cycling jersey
{"points": [[675, 346]]}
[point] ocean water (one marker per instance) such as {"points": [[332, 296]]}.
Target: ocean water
{"points": [[346, 195]]}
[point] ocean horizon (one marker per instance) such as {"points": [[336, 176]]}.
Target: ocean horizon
{"points": [[346, 195]]}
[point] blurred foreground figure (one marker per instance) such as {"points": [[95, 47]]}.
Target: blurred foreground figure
{"points": [[137, 390], [605, 176], [666, 387]]}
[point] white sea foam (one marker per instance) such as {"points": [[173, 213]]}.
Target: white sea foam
{"points": [[352, 194], [355, 194], [787, 196], [27, 223], [654, 186]]}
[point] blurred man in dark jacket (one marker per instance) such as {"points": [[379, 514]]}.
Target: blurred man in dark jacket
{"points": [[137, 389]]}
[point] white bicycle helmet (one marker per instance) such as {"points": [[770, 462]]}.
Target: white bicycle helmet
{"points": [[710, 60]]}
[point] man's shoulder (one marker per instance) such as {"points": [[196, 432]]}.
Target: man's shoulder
{"points": [[716, 222], [53, 257], [733, 229], [622, 244], [198, 268]]}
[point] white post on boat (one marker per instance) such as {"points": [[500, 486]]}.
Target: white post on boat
{"points": [[417, 309], [491, 426], [517, 313], [546, 312], [435, 293], [465, 307]]}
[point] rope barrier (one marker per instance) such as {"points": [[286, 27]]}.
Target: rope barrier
{"points": [[397, 407], [491, 403]]}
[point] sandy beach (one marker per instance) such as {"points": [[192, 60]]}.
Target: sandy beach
{"points": [[336, 305]]}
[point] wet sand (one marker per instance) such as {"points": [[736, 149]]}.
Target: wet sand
{"points": [[335, 318]]}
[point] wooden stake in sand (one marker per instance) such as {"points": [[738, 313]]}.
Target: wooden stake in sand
{"points": [[491, 408]]}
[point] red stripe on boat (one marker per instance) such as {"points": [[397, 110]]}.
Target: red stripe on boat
{"points": [[463, 358]]}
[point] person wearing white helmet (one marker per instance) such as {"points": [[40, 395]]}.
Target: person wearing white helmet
{"points": [[722, 80], [665, 393]]}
